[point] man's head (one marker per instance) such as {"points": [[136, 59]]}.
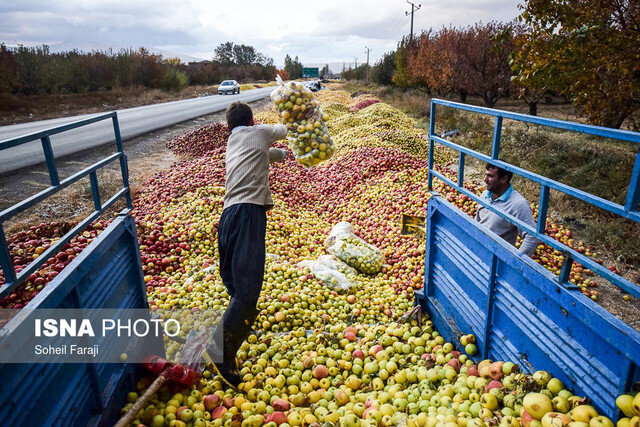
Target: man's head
{"points": [[239, 114], [497, 179]]}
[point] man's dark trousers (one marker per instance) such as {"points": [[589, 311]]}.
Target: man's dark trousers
{"points": [[241, 235]]}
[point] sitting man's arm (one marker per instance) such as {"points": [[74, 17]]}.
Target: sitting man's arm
{"points": [[529, 242]]}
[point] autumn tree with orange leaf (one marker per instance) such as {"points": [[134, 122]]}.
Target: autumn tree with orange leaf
{"points": [[472, 60]]}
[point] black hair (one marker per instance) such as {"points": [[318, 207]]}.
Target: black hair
{"points": [[501, 172], [239, 114]]}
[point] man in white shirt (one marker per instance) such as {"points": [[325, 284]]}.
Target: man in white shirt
{"points": [[501, 194]]}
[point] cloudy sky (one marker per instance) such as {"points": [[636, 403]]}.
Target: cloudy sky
{"points": [[316, 31]]}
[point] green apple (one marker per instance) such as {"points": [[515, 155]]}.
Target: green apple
{"points": [[636, 404], [508, 368], [600, 421], [489, 401], [509, 421], [555, 385], [560, 404], [471, 349], [542, 378], [537, 405], [584, 413], [555, 419], [157, 421], [625, 403], [186, 415]]}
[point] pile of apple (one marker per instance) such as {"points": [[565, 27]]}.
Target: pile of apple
{"points": [[26, 246], [382, 115], [371, 162], [323, 356], [334, 109], [364, 103], [266, 117], [200, 141], [334, 96], [630, 407], [368, 375], [308, 365]]}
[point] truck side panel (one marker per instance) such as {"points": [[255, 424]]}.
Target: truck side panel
{"points": [[477, 283], [107, 274]]}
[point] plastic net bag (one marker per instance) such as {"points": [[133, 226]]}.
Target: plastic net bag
{"points": [[334, 273], [344, 244], [308, 136]]}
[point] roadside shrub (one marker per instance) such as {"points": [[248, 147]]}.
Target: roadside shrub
{"points": [[174, 79]]}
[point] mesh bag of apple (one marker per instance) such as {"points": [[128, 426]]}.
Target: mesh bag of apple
{"points": [[332, 272], [354, 251], [308, 136]]}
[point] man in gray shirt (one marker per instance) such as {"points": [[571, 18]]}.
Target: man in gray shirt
{"points": [[501, 194], [241, 232]]}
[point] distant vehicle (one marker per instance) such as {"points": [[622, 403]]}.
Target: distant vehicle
{"points": [[313, 85], [229, 86]]}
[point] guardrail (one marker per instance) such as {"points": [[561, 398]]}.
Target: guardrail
{"points": [[12, 277], [629, 210]]}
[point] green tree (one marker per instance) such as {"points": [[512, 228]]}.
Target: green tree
{"points": [[224, 53], [531, 81], [382, 72], [359, 73], [401, 75], [174, 79], [293, 67], [325, 71], [591, 48], [244, 55], [31, 63], [229, 53]]}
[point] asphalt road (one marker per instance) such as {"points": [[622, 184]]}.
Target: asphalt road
{"points": [[133, 122]]}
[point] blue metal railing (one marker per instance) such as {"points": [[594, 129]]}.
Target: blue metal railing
{"points": [[13, 278], [629, 210]]}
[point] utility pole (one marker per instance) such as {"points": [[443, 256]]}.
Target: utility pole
{"points": [[356, 58], [413, 9], [367, 50]]}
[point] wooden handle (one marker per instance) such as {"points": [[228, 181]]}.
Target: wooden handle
{"points": [[142, 400]]}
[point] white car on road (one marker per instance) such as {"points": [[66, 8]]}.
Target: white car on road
{"points": [[229, 86]]}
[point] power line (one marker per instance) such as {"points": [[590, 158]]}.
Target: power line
{"points": [[413, 9]]}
